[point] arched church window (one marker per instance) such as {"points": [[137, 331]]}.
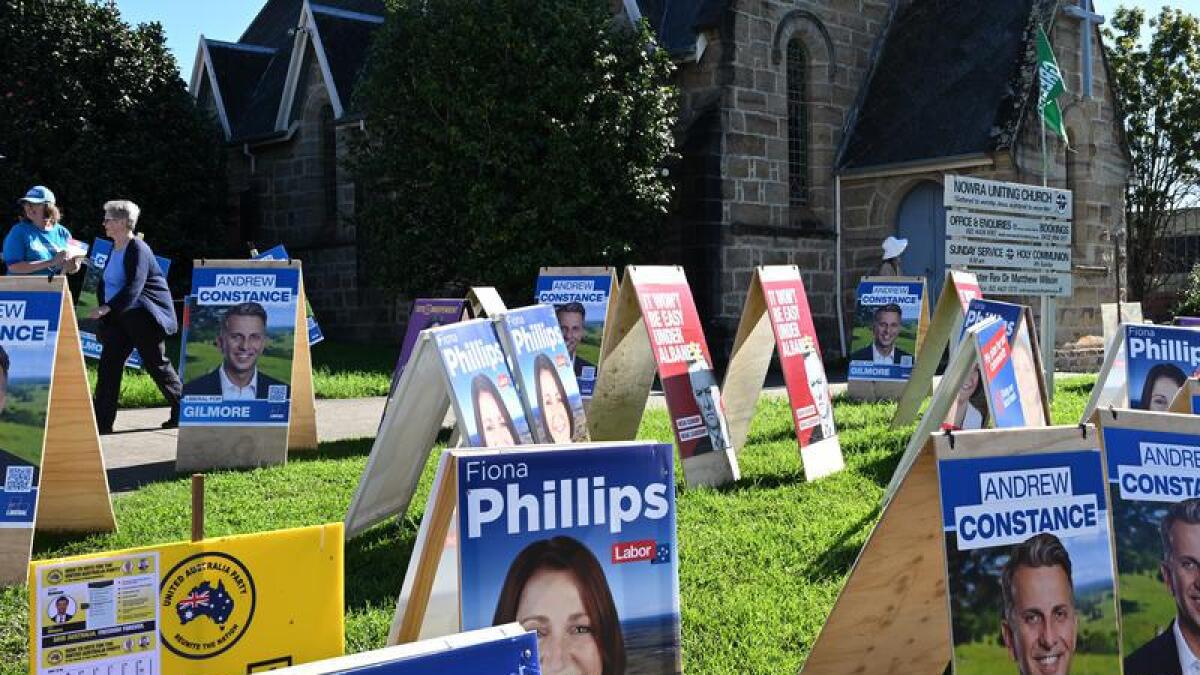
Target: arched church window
{"points": [[797, 123]]}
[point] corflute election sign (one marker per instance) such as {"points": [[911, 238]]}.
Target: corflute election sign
{"points": [[28, 336], [482, 389], [579, 545], [543, 369], [1028, 555], [580, 304], [885, 332], [238, 344], [800, 359], [1158, 361], [426, 313], [314, 329]]}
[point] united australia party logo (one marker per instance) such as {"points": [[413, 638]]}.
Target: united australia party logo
{"points": [[199, 593]]}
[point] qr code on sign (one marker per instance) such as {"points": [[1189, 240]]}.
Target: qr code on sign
{"points": [[277, 393], [18, 479]]}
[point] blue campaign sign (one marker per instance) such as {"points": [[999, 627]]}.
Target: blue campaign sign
{"points": [[505, 656], [315, 334], [884, 337], [1153, 466], [1004, 393], [487, 404], [607, 513], [29, 324], [581, 305], [238, 345], [1159, 359], [980, 310], [543, 369]]}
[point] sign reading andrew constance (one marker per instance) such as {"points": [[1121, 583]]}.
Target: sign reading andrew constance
{"points": [[238, 336]]}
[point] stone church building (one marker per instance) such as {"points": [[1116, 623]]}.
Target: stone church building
{"points": [[809, 130]]}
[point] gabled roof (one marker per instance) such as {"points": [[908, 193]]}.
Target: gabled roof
{"points": [[254, 80], [678, 23], [951, 80]]}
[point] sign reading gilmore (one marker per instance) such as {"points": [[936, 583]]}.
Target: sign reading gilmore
{"points": [[1007, 228], [1029, 563], [237, 347], [979, 194], [885, 331], [574, 541], [580, 304]]}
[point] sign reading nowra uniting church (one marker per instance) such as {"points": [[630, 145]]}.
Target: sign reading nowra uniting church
{"points": [[979, 194]]}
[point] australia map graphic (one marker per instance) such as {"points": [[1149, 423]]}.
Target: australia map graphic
{"points": [[204, 600]]}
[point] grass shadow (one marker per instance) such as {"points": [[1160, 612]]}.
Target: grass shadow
{"points": [[837, 559], [375, 564]]}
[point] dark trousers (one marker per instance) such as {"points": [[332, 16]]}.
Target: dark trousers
{"points": [[120, 335]]}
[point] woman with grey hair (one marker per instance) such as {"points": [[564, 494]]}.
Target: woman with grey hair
{"points": [[136, 312]]}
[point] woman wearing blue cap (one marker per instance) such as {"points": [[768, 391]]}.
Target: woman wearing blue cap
{"points": [[38, 243]]}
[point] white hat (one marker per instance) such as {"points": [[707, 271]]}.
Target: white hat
{"points": [[893, 247]]}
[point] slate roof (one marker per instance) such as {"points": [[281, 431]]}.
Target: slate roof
{"points": [[953, 78], [252, 80], [678, 22]]}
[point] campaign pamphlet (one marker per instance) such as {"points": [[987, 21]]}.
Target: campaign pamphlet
{"points": [[1154, 478], [685, 366], [314, 329], [573, 540], [545, 378], [426, 313], [88, 301], [800, 359], [238, 337], [580, 303], [97, 616], [1158, 360], [486, 403], [884, 338], [28, 341], [1029, 561]]}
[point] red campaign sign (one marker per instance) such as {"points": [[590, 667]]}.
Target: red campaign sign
{"points": [[684, 367], [800, 359], [995, 354]]}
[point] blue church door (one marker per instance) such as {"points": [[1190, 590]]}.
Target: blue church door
{"points": [[922, 221]]}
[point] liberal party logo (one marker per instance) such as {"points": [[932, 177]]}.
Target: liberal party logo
{"points": [[207, 604]]}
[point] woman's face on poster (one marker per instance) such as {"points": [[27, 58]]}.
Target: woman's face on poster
{"points": [[558, 417], [1162, 393], [552, 605], [494, 427], [969, 384]]}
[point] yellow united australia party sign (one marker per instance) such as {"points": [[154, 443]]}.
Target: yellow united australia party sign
{"points": [[240, 604]]}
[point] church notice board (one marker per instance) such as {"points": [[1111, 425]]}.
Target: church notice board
{"points": [[944, 330], [656, 326], [50, 456], [890, 321], [242, 331], [893, 614], [776, 319], [241, 604]]}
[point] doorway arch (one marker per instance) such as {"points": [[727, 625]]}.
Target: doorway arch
{"points": [[921, 220]]}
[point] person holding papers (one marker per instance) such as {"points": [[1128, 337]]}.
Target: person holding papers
{"points": [[38, 243], [136, 313], [885, 328]]}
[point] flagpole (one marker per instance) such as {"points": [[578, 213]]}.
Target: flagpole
{"points": [[1049, 304]]}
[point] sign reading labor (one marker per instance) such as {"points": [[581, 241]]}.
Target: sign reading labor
{"points": [[979, 194], [1007, 228], [28, 337], [885, 332], [238, 345], [580, 304], [1028, 556]]}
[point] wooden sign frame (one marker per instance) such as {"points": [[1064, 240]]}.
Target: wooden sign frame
{"points": [[948, 316], [202, 448], [753, 347], [1182, 403], [623, 384], [484, 301], [1113, 314], [890, 390], [73, 494], [893, 615]]}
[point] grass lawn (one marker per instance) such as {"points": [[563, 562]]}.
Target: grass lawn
{"points": [[340, 370], [761, 562]]}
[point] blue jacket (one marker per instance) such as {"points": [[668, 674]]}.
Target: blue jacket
{"points": [[145, 287]]}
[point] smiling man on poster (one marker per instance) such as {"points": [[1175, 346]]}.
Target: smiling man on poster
{"points": [[242, 338], [884, 330], [1039, 623]]}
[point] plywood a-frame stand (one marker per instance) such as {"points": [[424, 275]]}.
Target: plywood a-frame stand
{"points": [[201, 448], [960, 288], [890, 390], [1185, 399], [753, 347], [73, 491], [484, 301], [892, 615], [1111, 388]]}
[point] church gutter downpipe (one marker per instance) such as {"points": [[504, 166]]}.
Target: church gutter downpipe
{"points": [[837, 276]]}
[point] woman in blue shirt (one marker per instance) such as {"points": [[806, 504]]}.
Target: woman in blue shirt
{"points": [[136, 312], [38, 244]]}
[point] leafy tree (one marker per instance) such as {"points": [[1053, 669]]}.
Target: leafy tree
{"points": [[1158, 85], [503, 135], [96, 110]]}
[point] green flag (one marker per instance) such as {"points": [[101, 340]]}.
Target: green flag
{"points": [[1050, 86]]}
